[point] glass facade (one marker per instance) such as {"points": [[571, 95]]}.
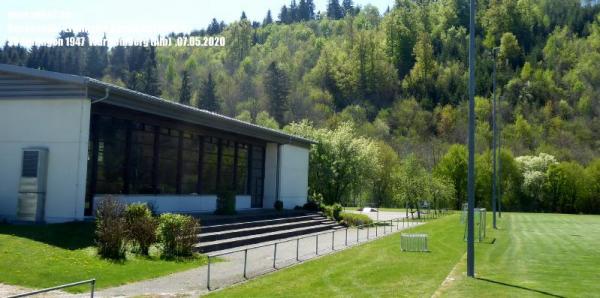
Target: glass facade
{"points": [[141, 155]]}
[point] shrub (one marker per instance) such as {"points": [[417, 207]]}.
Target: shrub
{"points": [[354, 219], [332, 211], [178, 234], [311, 206], [225, 202], [336, 211], [141, 226], [111, 230], [278, 205]]}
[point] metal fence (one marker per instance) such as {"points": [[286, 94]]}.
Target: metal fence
{"points": [[245, 263], [92, 283]]}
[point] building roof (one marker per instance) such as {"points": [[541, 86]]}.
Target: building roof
{"points": [[97, 90]]}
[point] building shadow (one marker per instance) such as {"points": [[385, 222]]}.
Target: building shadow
{"points": [[519, 287], [73, 235]]}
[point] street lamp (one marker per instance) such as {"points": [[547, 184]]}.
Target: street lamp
{"points": [[471, 141]]}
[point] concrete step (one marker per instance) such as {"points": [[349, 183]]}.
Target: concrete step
{"points": [[248, 216], [257, 222], [229, 243], [274, 225]]}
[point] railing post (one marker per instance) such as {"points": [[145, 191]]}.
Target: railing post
{"points": [[317, 245], [357, 234], [245, 261], [346, 241], [376, 230], [93, 287], [397, 222], [208, 275], [368, 232], [275, 255], [298, 250], [332, 240], [391, 226]]}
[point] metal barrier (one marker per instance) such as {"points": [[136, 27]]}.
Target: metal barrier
{"points": [[92, 283], [382, 227]]}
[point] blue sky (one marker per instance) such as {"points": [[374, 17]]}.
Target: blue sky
{"points": [[30, 20]]}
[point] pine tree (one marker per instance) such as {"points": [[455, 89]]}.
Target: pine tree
{"points": [[334, 10], [303, 11], [277, 86], [207, 98], [293, 12], [213, 28], [151, 84], [185, 93], [243, 17], [284, 15], [268, 19], [348, 7], [118, 63]]}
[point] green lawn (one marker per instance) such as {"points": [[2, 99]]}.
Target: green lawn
{"points": [[49, 255], [530, 255], [535, 255]]}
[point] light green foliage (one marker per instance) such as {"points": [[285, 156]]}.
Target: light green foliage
{"points": [[533, 169], [453, 168], [341, 163], [355, 219]]}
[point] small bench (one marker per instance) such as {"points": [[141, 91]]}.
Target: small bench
{"points": [[414, 242]]}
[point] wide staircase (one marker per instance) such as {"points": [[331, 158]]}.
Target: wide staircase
{"points": [[224, 233]]}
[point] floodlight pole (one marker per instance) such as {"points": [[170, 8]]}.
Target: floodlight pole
{"points": [[471, 141], [499, 163], [495, 134]]}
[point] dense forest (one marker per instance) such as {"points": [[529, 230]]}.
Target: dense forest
{"points": [[398, 79]]}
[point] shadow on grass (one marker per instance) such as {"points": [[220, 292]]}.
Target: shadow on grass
{"points": [[519, 287], [74, 235]]}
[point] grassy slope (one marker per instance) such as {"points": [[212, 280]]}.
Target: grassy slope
{"points": [[44, 256], [374, 269], [535, 255]]}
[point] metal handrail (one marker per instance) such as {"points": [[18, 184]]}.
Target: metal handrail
{"points": [[92, 283], [297, 239]]}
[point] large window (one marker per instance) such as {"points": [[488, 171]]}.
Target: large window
{"points": [[190, 155], [257, 172], [141, 168], [227, 165], [141, 157], [242, 169], [168, 154], [111, 141], [209, 165]]}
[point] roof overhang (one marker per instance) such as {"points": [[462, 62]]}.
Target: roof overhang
{"points": [[139, 101]]}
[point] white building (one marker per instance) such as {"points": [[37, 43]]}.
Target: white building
{"points": [[96, 139]]}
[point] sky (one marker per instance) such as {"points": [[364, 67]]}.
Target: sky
{"points": [[28, 21]]}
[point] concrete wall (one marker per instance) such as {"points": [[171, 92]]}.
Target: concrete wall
{"points": [[179, 203], [62, 126], [293, 180]]}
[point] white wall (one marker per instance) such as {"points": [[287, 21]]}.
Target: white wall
{"points": [[62, 126], [293, 180], [179, 203], [270, 187]]}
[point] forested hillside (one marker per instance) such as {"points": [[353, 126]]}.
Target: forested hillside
{"points": [[400, 78]]}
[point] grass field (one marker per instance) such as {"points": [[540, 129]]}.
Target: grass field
{"points": [[533, 255], [374, 269], [44, 256]]}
